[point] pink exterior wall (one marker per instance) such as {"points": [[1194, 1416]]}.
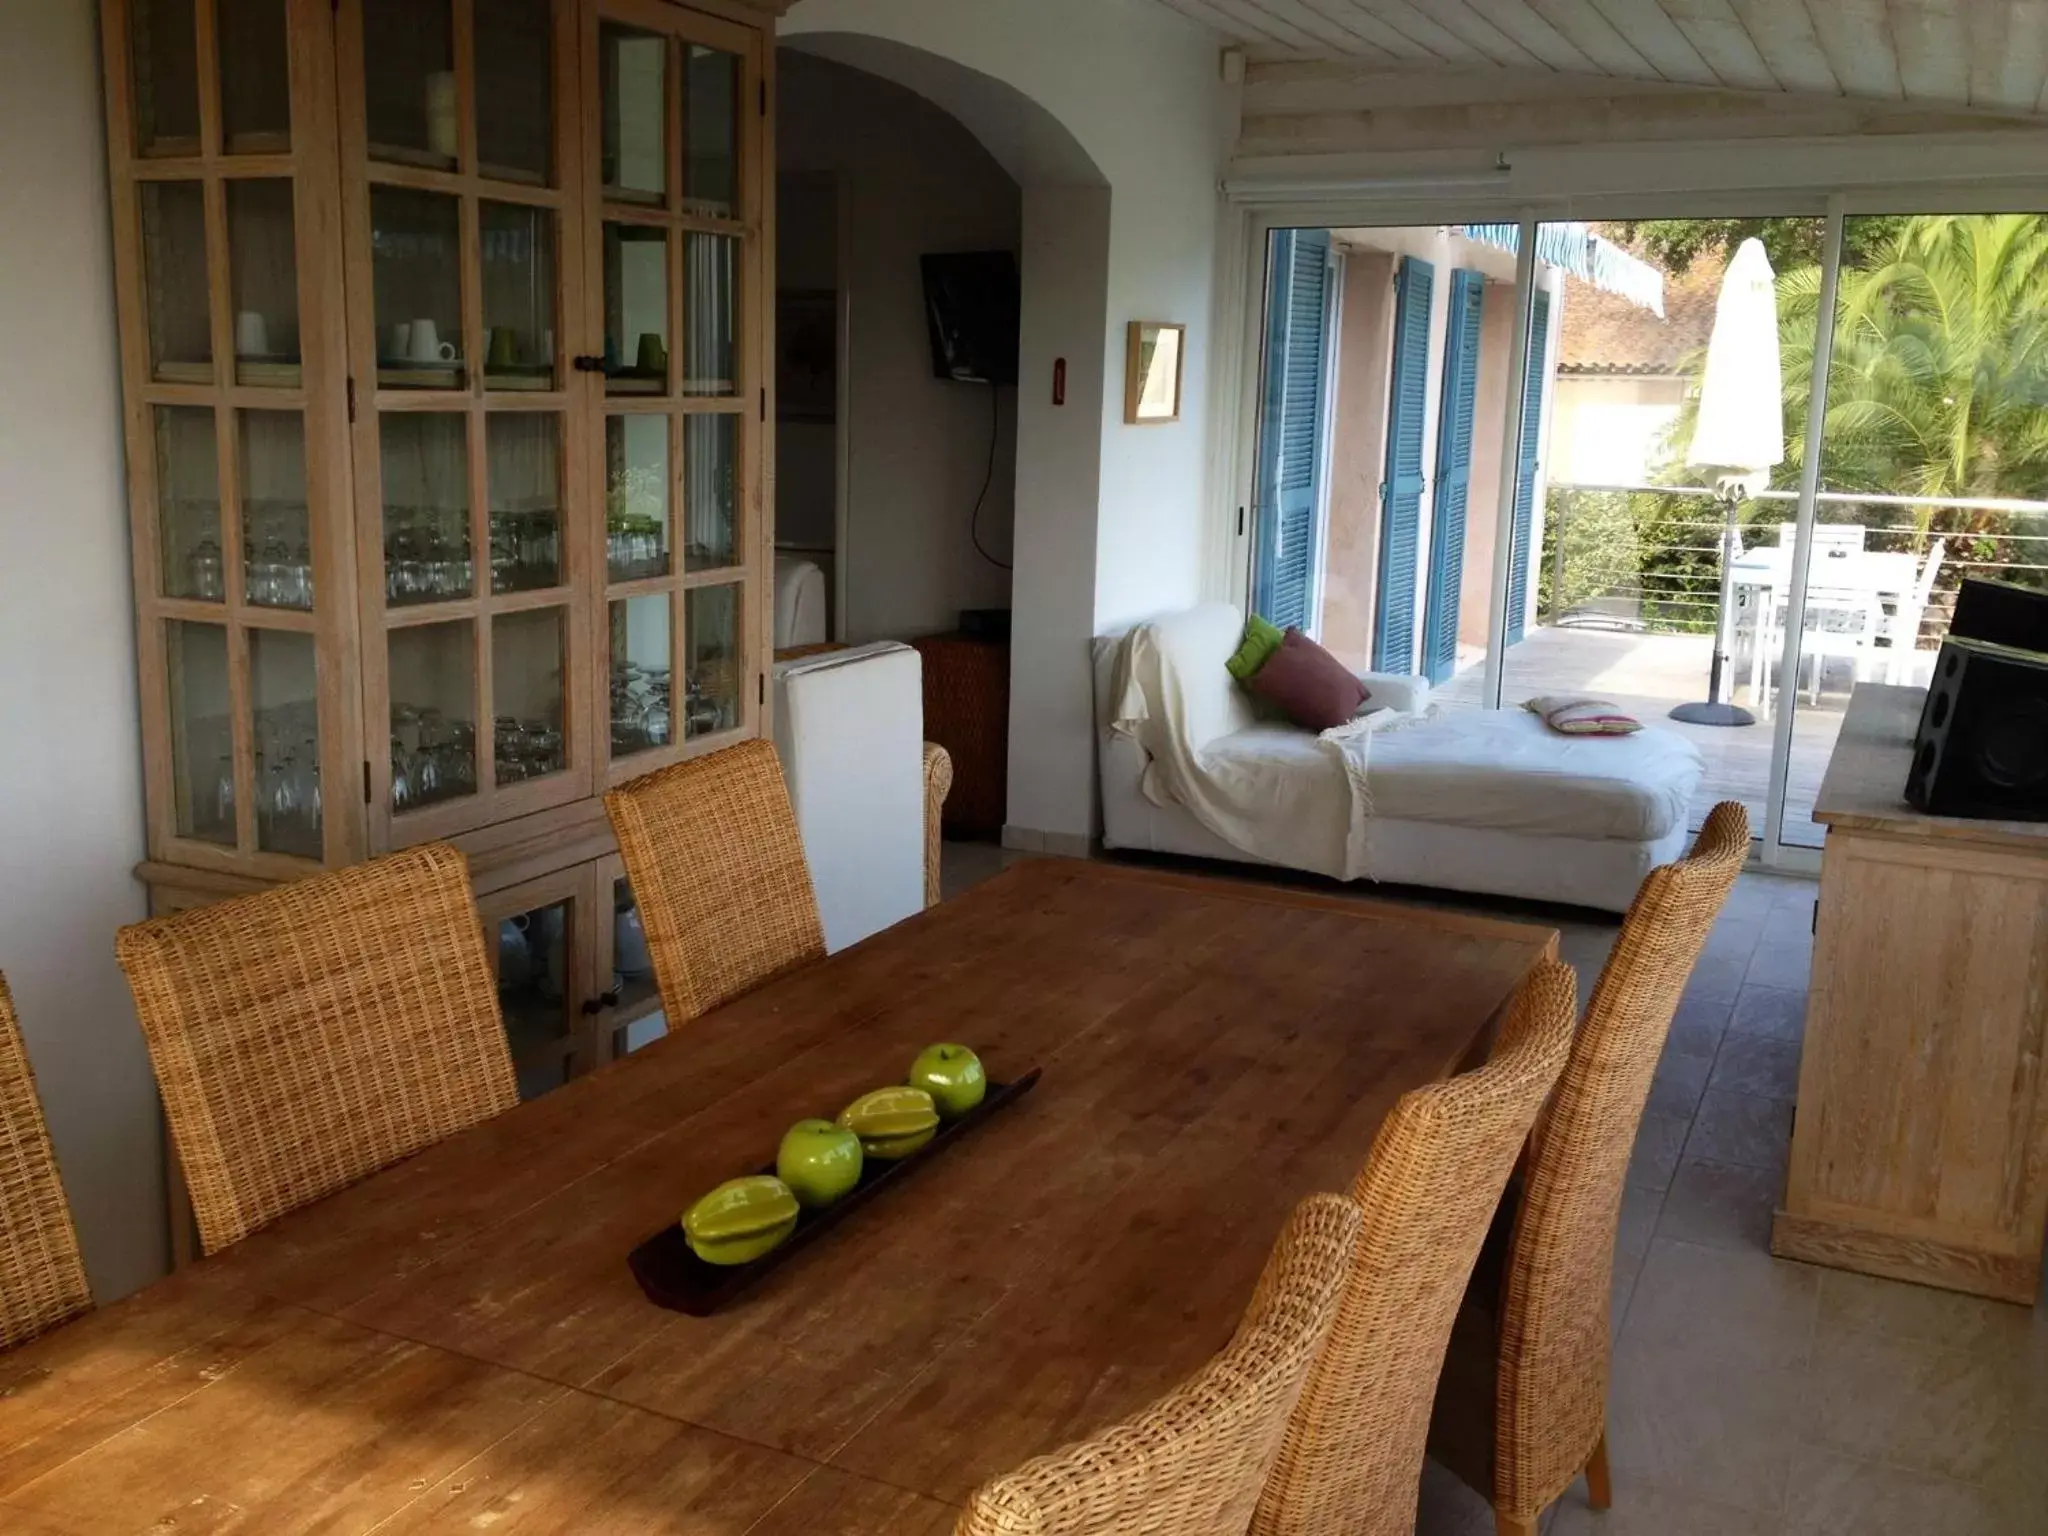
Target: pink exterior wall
{"points": [[1489, 421], [1358, 423]]}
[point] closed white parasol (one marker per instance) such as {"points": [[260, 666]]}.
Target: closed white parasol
{"points": [[1739, 436]]}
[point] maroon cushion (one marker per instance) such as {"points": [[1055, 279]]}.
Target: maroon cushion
{"points": [[1310, 686]]}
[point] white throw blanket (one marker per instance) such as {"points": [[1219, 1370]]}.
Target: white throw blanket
{"points": [[1271, 791]]}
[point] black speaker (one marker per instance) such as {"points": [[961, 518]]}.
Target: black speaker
{"points": [[1982, 749], [2002, 612]]}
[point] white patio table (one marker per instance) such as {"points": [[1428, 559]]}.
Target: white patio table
{"points": [[1765, 575]]}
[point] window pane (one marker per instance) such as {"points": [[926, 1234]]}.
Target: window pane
{"points": [[188, 504], [426, 507], [711, 466], [515, 108], [174, 272], [711, 307], [524, 452], [277, 544], [409, 82], [283, 688], [415, 243], [202, 743], [518, 251], [713, 659], [633, 71], [527, 660], [640, 668], [636, 497], [433, 714], [635, 310], [255, 76], [164, 59], [263, 271], [534, 963], [711, 134]]}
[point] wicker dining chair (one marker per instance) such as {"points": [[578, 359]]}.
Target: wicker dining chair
{"points": [[307, 1036], [1522, 1409], [1194, 1461], [712, 851], [1351, 1460], [938, 783], [42, 1278]]}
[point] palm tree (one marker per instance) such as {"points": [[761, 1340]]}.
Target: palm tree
{"points": [[1939, 382]]}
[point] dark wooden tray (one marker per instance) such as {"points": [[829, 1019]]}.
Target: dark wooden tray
{"points": [[674, 1277]]}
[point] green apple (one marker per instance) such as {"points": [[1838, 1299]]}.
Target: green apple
{"points": [[952, 1075], [819, 1161]]}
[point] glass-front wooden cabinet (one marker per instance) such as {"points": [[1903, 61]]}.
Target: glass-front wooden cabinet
{"points": [[443, 337]]}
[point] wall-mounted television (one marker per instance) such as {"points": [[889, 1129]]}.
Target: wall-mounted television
{"points": [[971, 307]]}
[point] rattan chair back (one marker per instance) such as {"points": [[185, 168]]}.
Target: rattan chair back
{"points": [[1352, 1457], [42, 1279], [1194, 1462], [309, 1035], [712, 851], [1550, 1397]]}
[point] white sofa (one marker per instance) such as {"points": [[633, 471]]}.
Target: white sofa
{"points": [[1528, 813]]}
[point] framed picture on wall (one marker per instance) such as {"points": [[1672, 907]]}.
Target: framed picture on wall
{"points": [[806, 354], [1152, 364]]}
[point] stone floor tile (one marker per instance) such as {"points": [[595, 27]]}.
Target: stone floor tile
{"points": [[1697, 1424], [1755, 1064], [1779, 1012], [1659, 1140], [1740, 1128], [1953, 1412], [1780, 961], [1831, 1495], [1740, 1307], [1721, 1205], [1651, 1512]]}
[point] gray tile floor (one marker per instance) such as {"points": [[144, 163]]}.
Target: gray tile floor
{"points": [[1752, 1396]]}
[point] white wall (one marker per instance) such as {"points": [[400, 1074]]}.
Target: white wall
{"points": [[1134, 99], [910, 180], [70, 754]]}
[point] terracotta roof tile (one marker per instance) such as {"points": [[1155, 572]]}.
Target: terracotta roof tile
{"points": [[1606, 334]]}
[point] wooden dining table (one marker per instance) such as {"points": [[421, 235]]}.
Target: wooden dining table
{"points": [[457, 1343]]}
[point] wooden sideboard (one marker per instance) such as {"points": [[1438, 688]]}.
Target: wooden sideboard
{"points": [[1920, 1148]]}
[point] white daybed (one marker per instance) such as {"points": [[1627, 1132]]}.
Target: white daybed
{"points": [[1490, 801]]}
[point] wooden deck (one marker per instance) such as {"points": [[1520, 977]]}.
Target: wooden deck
{"points": [[1647, 674]]}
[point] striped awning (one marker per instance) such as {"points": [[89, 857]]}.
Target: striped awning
{"points": [[1586, 256]]}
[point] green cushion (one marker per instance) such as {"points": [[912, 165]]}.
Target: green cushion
{"points": [[1261, 640]]}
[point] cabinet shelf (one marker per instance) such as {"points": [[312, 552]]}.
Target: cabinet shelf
{"points": [[371, 501]]}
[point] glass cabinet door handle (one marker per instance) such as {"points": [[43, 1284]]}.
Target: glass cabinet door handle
{"points": [[588, 363]]}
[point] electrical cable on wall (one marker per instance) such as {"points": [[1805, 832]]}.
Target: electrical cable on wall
{"points": [[995, 432]]}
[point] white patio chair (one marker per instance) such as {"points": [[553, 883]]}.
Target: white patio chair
{"points": [[1900, 632], [1841, 622]]}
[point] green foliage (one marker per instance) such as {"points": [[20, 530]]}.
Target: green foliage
{"points": [[1635, 557], [1674, 244]]}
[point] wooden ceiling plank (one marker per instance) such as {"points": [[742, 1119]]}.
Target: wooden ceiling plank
{"points": [[1347, 14], [1336, 37], [1720, 37], [1785, 37], [1472, 26], [1425, 30], [1237, 20], [1595, 36], [1931, 41], [1652, 33], [1537, 36], [2008, 53], [1856, 37]]}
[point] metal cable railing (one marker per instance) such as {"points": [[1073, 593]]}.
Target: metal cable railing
{"points": [[1647, 557]]}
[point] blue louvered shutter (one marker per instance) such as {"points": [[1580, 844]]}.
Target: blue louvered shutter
{"points": [[1393, 645], [1531, 447], [1291, 427], [1453, 475]]}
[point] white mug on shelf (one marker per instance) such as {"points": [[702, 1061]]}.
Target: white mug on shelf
{"points": [[401, 341], [441, 113], [427, 345], [252, 335]]}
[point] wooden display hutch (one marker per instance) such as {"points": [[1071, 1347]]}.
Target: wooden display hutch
{"points": [[442, 336]]}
